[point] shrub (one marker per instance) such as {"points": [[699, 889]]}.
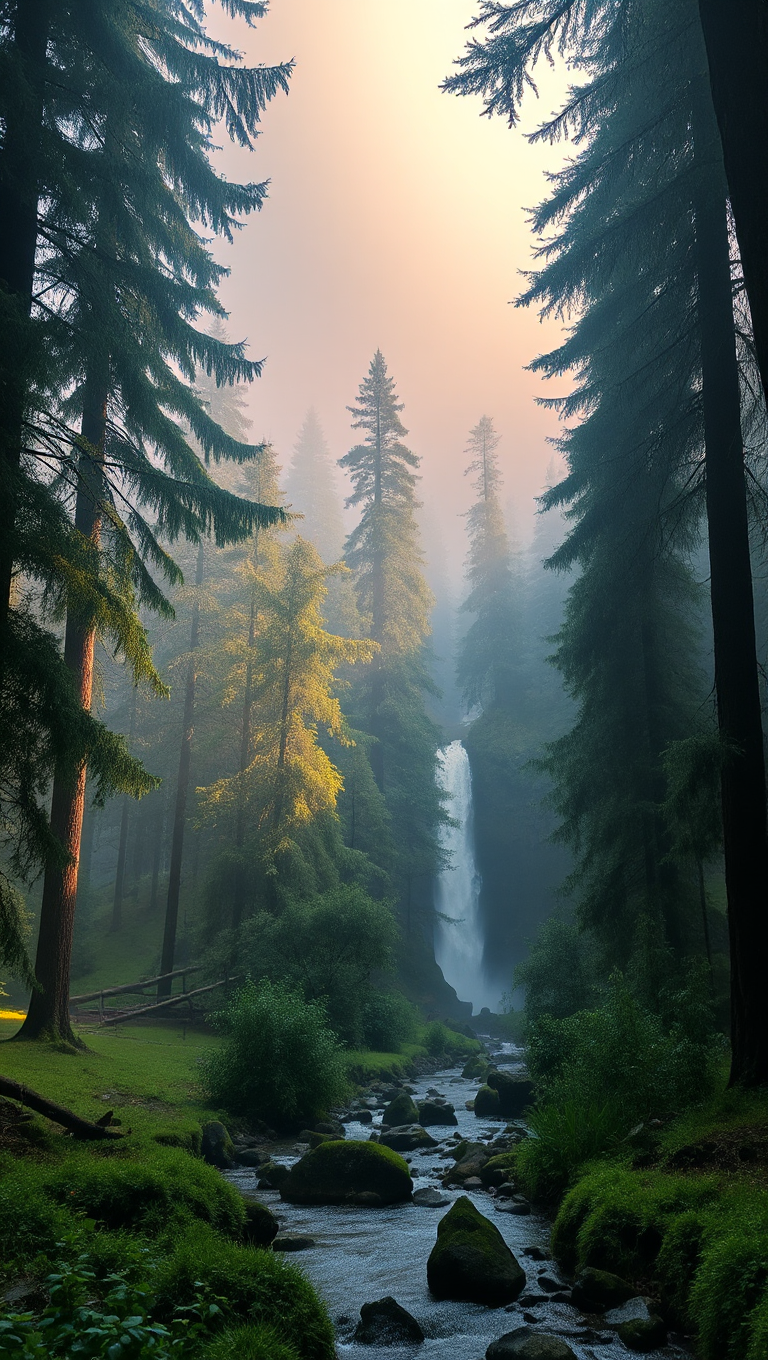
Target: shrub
{"points": [[729, 1285], [564, 1137], [250, 1285], [280, 1061], [142, 1195], [29, 1222], [559, 973], [389, 1021]]}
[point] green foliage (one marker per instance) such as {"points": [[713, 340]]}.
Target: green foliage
{"points": [[559, 973], [251, 1343], [251, 1285], [328, 948], [389, 1021], [280, 1061], [601, 1072]]}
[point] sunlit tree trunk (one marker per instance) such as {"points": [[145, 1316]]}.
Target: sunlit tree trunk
{"points": [[48, 1014], [182, 791]]}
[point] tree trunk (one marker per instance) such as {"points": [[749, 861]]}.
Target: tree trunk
{"points": [[182, 789], [157, 850], [48, 1015], [19, 189], [117, 901], [88, 840], [736, 37], [745, 839]]}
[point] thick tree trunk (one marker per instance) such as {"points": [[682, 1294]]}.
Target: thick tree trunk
{"points": [[48, 1015], [19, 188], [745, 837], [736, 37], [182, 790]]}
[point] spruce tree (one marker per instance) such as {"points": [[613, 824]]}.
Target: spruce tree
{"points": [[394, 601], [311, 490], [150, 181], [490, 649], [641, 255]]}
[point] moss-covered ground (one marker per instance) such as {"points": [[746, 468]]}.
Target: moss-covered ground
{"points": [[683, 1211]]}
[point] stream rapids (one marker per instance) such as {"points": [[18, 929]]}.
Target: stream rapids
{"points": [[363, 1254]]}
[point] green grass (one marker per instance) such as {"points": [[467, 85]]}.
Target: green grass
{"points": [[148, 1075]]}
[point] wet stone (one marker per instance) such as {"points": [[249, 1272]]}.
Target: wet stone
{"points": [[293, 1242], [523, 1344]]}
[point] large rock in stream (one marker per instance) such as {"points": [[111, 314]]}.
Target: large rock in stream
{"points": [[523, 1344], [471, 1261], [595, 1291], [348, 1173], [407, 1138], [385, 1323], [401, 1110], [515, 1093]]}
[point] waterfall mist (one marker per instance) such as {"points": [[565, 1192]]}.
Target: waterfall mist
{"points": [[459, 941]]}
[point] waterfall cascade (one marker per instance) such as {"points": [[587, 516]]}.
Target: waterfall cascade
{"points": [[459, 940]]}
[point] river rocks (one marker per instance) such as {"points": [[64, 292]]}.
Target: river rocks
{"points": [[385, 1323], [261, 1227], [272, 1175], [401, 1110], [332, 1126], [487, 1104], [407, 1138], [250, 1157], [293, 1242], [430, 1199], [475, 1067], [470, 1260], [595, 1291], [348, 1173], [498, 1170], [523, 1344], [515, 1093], [216, 1146], [470, 1164], [314, 1138], [437, 1112], [643, 1334]]}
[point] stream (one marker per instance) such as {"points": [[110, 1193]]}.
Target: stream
{"points": [[363, 1254]]}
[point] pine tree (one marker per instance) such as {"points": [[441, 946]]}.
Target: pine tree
{"points": [[490, 650], [628, 257], [311, 490], [150, 181], [393, 599]]}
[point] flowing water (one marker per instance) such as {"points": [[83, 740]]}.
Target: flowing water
{"points": [[459, 942], [363, 1254]]}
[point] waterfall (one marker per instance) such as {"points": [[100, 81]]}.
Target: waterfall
{"points": [[459, 941]]}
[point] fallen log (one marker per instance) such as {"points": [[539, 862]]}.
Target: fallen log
{"points": [[161, 1005], [132, 986], [58, 1114]]}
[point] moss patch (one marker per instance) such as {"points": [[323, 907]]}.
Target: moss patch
{"points": [[348, 1173], [470, 1259]]}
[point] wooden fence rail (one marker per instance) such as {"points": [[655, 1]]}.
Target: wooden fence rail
{"points": [[132, 986]]}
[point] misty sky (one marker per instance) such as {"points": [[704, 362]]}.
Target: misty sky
{"points": [[395, 219]]}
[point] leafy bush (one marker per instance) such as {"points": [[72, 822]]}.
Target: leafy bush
{"points": [[603, 1071], [327, 947], [280, 1061], [559, 973], [250, 1285], [389, 1021]]}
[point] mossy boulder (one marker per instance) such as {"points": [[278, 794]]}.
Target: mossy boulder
{"points": [[498, 1170], [643, 1334], [470, 1260], [272, 1175], [515, 1093], [216, 1145], [595, 1291], [261, 1227], [471, 1164], [476, 1066], [487, 1103], [401, 1110], [348, 1173]]}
